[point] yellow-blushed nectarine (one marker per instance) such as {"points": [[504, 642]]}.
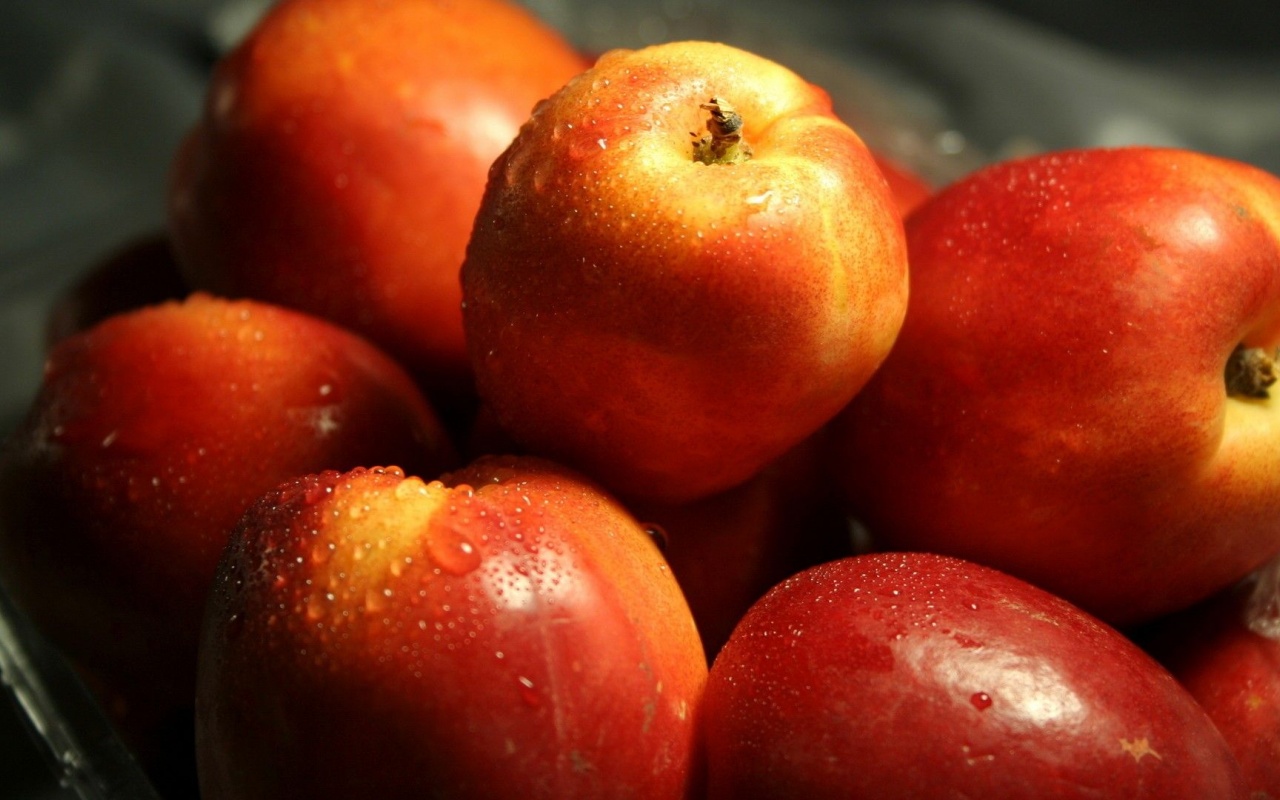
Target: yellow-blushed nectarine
{"points": [[669, 312]]}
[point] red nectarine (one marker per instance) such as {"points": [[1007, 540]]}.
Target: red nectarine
{"points": [[508, 631], [1066, 398], [341, 156], [669, 313], [910, 675], [151, 434]]}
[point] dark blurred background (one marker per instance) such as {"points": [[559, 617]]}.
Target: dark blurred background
{"points": [[94, 95]]}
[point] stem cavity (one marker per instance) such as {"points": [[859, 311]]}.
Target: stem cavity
{"points": [[1251, 371], [723, 142]]}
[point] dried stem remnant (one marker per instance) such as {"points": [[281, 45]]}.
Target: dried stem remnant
{"points": [[723, 142], [1251, 371]]}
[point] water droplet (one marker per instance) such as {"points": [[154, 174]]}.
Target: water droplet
{"points": [[453, 552], [658, 534], [980, 700], [528, 693], [409, 488]]}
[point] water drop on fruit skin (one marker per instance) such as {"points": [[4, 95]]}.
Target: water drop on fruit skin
{"points": [[528, 693], [658, 534], [980, 700], [453, 552]]}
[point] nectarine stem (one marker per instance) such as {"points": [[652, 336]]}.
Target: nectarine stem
{"points": [[724, 143], [1251, 371]]}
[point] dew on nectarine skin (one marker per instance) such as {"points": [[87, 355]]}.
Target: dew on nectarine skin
{"points": [[152, 432], [1078, 394], [505, 630], [909, 675], [670, 312]]}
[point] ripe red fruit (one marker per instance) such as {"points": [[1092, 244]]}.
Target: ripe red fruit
{"points": [[909, 189], [151, 434], [671, 313], [1226, 652], [1064, 400], [341, 156], [729, 549], [509, 631], [913, 675]]}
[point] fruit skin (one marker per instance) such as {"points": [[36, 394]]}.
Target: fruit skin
{"points": [[728, 549], [509, 631], [150, 435], [341, 156], [1226, 652], [910, 675], [1055, 404], [669, 326]]}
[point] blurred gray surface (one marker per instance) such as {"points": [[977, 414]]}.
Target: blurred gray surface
{"points": [[94, 95]]}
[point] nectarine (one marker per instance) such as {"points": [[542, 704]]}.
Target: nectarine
{"points": [[670, 312], [507, 631], [1078, 392], [341, 156]]}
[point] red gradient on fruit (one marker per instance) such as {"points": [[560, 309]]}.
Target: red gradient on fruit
{"points": [[1226, 652], [666, 325], [727, 550], [909, 189], [151, 434], [914, 675], [1055, 405], [341, 156], [509, 631]]}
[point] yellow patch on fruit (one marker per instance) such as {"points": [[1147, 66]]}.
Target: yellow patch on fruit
{"points": [[366, 531], [1139, 748]]}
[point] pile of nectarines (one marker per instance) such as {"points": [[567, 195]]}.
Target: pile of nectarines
{"points": [[486, 423]]}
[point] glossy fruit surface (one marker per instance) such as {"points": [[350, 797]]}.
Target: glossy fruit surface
{"points": [[670, 312], [913, 675], [341, 156], [151, 434], [1226, 652], [509, 631], [1057, 404]]}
